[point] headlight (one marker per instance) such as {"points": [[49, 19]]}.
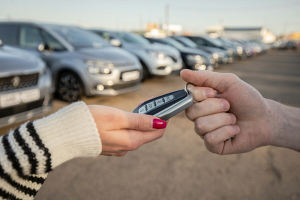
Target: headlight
{"points": [[98, 67], [195, 58], [215, 56], [230, 51], [156, 54], [239, 50], [221, 55]]}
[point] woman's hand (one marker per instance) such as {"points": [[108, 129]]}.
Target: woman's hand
{"points": [[121, 131], [249, 119]]}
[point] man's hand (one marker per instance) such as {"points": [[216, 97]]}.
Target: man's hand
{"points": [[248, 117], [121, 131]]}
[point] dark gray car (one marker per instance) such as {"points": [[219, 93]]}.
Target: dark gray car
{"points": [[81, 61], [25, 86]]}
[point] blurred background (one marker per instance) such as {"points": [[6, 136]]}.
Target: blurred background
{"points": [[118, 53]]}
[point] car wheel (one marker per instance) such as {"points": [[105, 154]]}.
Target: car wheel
{"points": [[68, 87], [145, 73]]}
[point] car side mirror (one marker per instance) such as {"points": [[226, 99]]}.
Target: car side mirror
{"points": [[116, 42]]}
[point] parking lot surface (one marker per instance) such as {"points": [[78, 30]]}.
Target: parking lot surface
{"points": [[178, 166]]}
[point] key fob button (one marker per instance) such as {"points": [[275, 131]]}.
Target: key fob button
{"points": [[150, 105], [168, 98], [142, 110], [159, 102]]}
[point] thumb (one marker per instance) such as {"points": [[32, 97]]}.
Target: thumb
{"points": [[214, 80], [142, 122]]}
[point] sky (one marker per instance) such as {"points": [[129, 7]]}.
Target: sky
{"points": [[279, 16]]}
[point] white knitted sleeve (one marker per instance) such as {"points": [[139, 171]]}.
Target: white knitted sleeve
{"points": [[69, 133]]}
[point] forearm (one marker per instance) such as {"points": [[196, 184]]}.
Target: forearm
{"points": [[286, 126]]}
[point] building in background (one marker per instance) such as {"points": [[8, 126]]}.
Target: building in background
{"points": [[247, 33]]}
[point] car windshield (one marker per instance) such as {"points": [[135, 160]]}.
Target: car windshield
{"points": [[173, 43], [226, 41], [214, 41], [187, 42], [79, 38], [132, 38]]}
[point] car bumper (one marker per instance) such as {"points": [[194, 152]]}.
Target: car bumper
{"points": [[165, 66], [29, 110], [112, 84]]}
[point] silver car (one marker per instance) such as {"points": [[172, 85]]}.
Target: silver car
{"points": [[25, 86], [82, 63], [155, 59]]}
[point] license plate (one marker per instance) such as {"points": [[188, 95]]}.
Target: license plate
{"points": [[130, 76], [19, 97]]}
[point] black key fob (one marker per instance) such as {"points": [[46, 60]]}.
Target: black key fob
{"points": [[167, 105]]}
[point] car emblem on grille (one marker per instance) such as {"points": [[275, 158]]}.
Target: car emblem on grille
{"points": [[16, 81]]}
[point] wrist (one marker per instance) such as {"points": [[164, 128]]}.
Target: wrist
{"points": [[285, 126]]}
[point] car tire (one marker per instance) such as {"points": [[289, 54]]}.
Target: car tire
{"points": [[145, 73], [69, 87]]}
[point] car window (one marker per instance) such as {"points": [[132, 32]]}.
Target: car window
{"points": [[132, 38], [199, 41], [30, 37], [79, 38], [8, 34], [51, 42]]}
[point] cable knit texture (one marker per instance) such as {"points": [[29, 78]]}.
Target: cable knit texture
{"points": [[29, 152]]}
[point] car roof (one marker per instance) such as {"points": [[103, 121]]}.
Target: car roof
{"points": [[41, 25]]}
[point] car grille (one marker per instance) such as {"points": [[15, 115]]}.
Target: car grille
{"points": [[21, 108], [122, 86], [16, 82]]}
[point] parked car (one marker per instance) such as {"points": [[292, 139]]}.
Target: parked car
{"points": [[219, 55], [82, 63], [207, 41], [25, 86], [238, 49], [155, 59], [195, 59]]}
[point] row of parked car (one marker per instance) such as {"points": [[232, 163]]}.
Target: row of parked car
{"points": [[38, 61]]}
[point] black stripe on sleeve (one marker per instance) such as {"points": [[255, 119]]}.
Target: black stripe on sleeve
{"points": [[15, 162], [19, 187], [27, 150], [7, 195], [40, 144]]}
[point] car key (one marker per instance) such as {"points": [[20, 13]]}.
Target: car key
{"points": [[167, 105]]}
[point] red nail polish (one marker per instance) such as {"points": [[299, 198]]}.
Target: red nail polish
{"points": [[159, 124]]}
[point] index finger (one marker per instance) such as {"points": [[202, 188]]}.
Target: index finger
{"points": [[214, 80]]}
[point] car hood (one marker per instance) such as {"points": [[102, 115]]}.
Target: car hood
{"points": [[201, 52], [15, 61], [114, 55], [213, 49], [170, 51]]}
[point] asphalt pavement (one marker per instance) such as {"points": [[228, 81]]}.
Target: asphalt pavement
{"points": [[178, 166]]}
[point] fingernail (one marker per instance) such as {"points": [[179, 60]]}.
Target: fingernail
{"points": [[209, 93], [225, 105], [237, 129], [159, 124]]}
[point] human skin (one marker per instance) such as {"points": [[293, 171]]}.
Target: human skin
{"points": [[122, 131], [238, 110]]}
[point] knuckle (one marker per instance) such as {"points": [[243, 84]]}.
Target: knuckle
{"points": [[209, 138], [200, 125]]}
